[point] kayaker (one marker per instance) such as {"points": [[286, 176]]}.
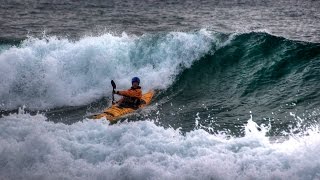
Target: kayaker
{"points": [[131, 97]]}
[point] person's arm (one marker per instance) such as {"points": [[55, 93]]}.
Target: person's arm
{"points": [[131, 93]]}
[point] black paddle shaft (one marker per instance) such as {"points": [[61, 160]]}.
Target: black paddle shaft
{"points": [[113, 84], [114, 87]]}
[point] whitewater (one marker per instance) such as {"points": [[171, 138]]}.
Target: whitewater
{"points": [[52, 72], [33, 148]]}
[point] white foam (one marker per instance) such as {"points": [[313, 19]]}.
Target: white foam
{"points": [[32, 148], [52, 72]]}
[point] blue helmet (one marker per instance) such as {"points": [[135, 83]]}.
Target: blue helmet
{"points": [[135, 79]]}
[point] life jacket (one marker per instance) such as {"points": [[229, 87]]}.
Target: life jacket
{"points": [[132, 97]]}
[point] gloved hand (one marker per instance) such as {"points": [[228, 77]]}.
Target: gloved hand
{"points": [[115, 92]]}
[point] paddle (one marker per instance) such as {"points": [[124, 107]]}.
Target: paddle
{"points": [[114, 87]]}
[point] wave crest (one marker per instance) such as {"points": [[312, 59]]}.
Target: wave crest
{"points": [[53, 72]]}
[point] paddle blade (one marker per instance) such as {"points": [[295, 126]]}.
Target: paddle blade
{"points": [[113, 84]]}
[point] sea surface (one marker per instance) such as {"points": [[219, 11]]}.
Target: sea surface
{"points": [[237, 89]]}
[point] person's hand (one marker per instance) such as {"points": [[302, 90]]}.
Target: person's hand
{"points": [[114, 92]]}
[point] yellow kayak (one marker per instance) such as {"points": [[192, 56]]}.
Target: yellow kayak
{"points": [[115, 112]]}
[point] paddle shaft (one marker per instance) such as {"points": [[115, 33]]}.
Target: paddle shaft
{"points": [[114, 87]]}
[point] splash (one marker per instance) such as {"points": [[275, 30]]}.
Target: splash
{"points": [[53, 72], [32, 148]]}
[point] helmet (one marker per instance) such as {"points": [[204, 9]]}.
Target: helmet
{"points": [[135, 79]]}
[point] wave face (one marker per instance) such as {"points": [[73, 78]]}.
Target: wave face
{"points": [[32, 148], [254, 68], [267, 75], [51, 72]]}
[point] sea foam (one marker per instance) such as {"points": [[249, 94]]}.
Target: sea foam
{"points": [[32, 148]]}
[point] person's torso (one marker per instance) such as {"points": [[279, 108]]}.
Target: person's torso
{"points": [[133, 101]]}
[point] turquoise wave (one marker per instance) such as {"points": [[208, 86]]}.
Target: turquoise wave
{"points": [[213, 79], [255, 72]]}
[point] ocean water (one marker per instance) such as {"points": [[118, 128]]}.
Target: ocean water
{"points": [[237, 92]]}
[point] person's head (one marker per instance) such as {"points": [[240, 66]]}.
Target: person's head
{"points": [[135, 82]]}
